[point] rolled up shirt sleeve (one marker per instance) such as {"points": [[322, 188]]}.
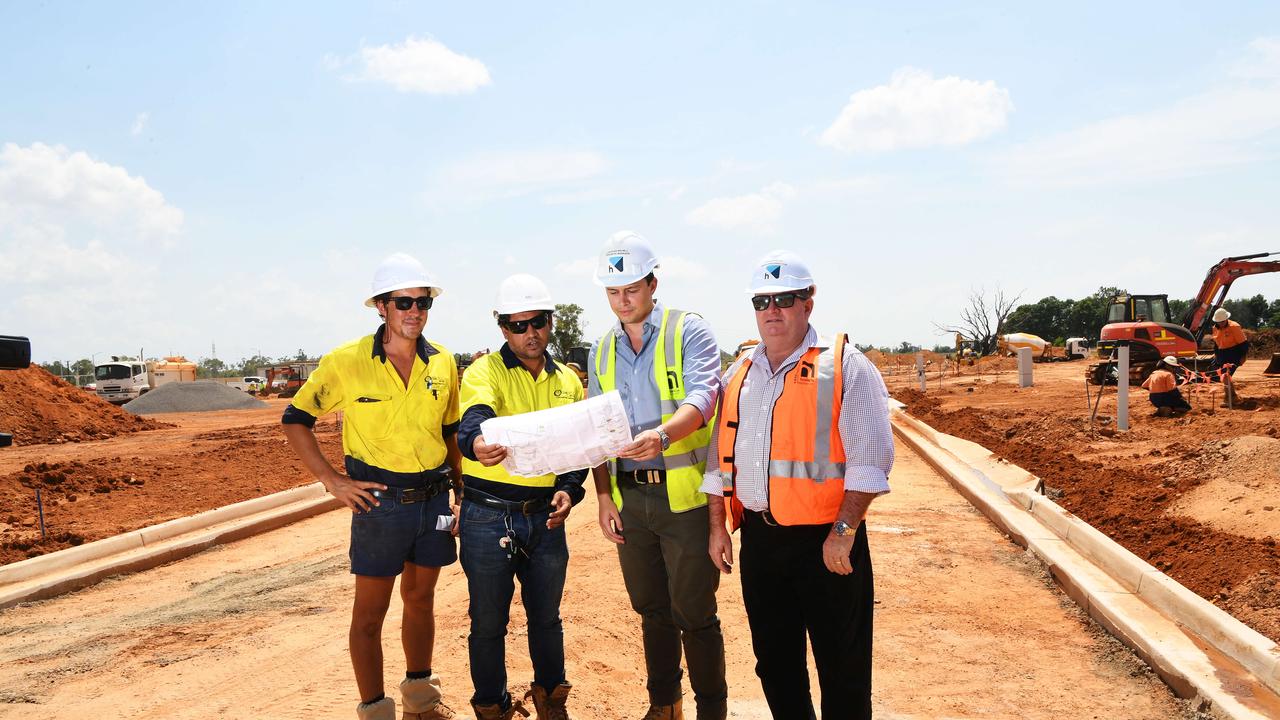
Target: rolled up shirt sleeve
{"points": [[701, 367], [864, 426], [712, 482]]}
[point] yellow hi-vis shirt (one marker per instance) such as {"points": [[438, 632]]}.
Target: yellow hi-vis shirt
{"points": [[386, 424], [509, 389]]}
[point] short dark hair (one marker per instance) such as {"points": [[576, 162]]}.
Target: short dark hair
{"points": [[382, 297], [650, 278]]}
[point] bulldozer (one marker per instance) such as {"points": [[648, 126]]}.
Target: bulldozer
{"points": [[1143, 323]]}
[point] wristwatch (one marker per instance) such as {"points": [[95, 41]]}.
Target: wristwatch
{"points": [[843, 529], [662, 436]]}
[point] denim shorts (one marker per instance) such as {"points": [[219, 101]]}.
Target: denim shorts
{"points": [[385, 537]]}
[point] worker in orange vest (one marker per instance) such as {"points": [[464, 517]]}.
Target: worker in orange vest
{"points": [[1163, 386], [801, 448], [1229, 342]]}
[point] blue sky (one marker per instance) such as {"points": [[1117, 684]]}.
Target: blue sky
{"points": [[172, 178]]}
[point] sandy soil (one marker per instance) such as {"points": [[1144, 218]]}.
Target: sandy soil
{"points": [[967, 626], [96, 489], [1196, 496]]}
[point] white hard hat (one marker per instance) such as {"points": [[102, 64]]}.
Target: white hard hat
{"points": [[779, 271], [521, 293], [400, 271], [1220, 314], [626, 258], [1171, 360]]}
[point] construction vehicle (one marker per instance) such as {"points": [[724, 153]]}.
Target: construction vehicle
{"points": [[15, 354], [576, 359], [1043, 350], [284, 380], [1143, 323], [966, 350], [121, 380]]}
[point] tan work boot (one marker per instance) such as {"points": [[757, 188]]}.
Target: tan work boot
{"points": [[384, 709], [422, 700], [495, 712], [665, 712], [550, 706]]}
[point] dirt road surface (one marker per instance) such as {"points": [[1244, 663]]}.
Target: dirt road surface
{"points": [[967, 626]]}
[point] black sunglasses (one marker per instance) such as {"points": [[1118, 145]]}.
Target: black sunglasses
{"points": [[404, 303], [782, 300], [518, 327]]}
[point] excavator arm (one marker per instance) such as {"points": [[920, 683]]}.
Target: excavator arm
{"points": [[1213, 292]]}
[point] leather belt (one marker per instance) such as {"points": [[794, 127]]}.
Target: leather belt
{"points": [[642, 477], [524, 507], [408, 496], [766, 516]]}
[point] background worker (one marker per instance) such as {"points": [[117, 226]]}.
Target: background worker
{"points": [[803, 446], [513, 526], [400, 417], [1163, 386], [665, 364], [1230, 346]]}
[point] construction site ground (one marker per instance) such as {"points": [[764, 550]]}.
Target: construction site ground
{"points": [[967, 625], [1196, 496]]}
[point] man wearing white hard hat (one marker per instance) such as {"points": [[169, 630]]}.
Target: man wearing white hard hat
{"points": [[398, 396], [801, 447], [513, 526], [665, 364], [1162, 384], [1230, 346]]}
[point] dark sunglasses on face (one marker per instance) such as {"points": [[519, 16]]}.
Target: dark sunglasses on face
{"points": [[518, 327], [404, 303], [782, 300]]}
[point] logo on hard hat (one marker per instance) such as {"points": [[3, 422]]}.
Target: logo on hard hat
{"points": [[615, 263], [774, 271]]}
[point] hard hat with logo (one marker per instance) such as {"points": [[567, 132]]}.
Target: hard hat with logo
{"points": [[1171, 360], [1221, 314], [626, 258], [400, 271], [521, 293], [779, 271]]}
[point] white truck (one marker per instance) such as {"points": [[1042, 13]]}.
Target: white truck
{"points": [[120, 381], [251, 384]]}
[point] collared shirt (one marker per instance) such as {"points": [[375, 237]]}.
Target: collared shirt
{"points": [[635, 381], [387, 425], [1229, 336], [499, 385], [1160, 381], [864, 427]]}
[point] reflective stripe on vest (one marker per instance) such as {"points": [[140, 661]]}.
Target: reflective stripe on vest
{"points": [[806, 455], [686, 459]]}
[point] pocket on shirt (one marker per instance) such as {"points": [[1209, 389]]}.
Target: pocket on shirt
{"points": [[371, 415]]}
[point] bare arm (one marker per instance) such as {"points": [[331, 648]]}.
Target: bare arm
{"points": [[353, 493], [836, 548], [719, 542], [609, 517]]}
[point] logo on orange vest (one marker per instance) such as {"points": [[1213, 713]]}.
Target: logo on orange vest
{"points": [[808, 373]]}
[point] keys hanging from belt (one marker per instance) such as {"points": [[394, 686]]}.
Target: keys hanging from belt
{"points": [[511, 545]]}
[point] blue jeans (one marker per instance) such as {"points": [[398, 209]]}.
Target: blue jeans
{"points": [[491, 584]]}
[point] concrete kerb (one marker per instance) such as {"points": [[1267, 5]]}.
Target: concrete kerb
{"points": [[77, 567], [1048, 531]]}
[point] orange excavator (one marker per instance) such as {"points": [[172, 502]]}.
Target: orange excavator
{"points": [[1143, 322]]}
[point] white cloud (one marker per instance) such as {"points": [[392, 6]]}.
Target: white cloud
{"points": [[917, 110], [504, 175], [417, 66], [579, 268], [64, 214], [756, 211], [676, 267], [139, 124], [1261, 61]]}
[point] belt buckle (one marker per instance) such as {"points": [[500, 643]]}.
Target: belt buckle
{"points": [[652, 477], [768, 518]]}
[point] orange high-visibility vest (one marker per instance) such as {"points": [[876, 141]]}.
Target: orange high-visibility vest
{"points": [[806, 455]]}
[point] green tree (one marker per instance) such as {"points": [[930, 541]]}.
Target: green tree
{"points": [[567, 331], [906, 347], [210, 367], [1048, 317]]}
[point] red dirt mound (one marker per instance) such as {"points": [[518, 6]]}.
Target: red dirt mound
{"points": [[37, 407], [1263, 342]]}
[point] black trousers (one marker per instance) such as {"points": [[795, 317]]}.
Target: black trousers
{"points": [[789, 593]]}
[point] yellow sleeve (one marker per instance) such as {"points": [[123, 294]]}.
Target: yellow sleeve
{"points": [[452, 414], [477, 386], [323, 392]]}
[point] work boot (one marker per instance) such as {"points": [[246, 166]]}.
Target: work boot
{"points": [[421, 697], [495, 712], [549, 706], [1164, 411], [384, 709], [665, 712]]}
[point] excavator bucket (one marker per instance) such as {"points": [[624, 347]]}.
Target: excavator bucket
{"points": [[1274, 367]]}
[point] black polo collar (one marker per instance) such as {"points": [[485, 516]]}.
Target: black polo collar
{"points": [[512, 362], [425, 349]]}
